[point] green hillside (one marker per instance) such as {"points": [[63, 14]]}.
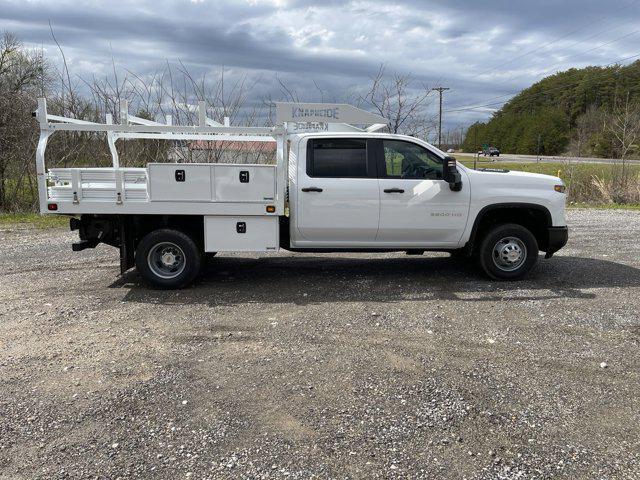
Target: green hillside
{"points": [[565, 111]]}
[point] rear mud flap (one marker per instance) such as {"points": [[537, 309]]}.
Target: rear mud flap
{"points": [[127, 251]]}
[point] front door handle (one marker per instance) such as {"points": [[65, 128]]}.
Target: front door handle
{"points": [[393, 190], [311, 189]]}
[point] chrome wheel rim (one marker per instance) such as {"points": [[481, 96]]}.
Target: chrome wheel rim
{"points": [[509, 254], [166, 260]]}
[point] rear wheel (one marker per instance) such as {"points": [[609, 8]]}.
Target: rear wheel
{"points": [[508, 252], [168, 258]]}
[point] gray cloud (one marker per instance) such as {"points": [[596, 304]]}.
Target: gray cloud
{"points": [[482, 50]]}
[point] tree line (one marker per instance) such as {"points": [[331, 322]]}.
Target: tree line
{"points": [[588, 112]]}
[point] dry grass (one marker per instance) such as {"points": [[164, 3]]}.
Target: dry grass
{"points": [[587, 183]]}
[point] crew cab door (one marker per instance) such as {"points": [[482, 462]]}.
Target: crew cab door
{"points": [[417, 207], [337, 195]]}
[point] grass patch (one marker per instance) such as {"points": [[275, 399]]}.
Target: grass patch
{"points": [[33, 220], [545, 168], [604, 206], [563, 170], [587, 183]]}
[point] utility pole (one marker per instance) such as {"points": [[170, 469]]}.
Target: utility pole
{"points": [[440, 90]]}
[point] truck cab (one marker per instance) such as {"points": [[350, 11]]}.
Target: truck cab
{"points": [[335, 190], [373, 191]]}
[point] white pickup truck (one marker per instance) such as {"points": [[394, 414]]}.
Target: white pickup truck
{"points": [[334, 187]]}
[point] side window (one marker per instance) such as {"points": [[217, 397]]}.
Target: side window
{"points": [[338, 157], [410, 161]]}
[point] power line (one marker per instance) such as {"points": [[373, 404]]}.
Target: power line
{"points": [[535, 49], [475, 107], [604, 19], [554, 65], [562, 37], [550, 67]]}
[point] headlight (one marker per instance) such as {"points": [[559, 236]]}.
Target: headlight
{"points": [[559, 188]]}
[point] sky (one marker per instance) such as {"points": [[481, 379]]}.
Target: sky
{"points": [[483, 50]]}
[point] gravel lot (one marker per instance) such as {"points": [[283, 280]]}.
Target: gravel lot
{"points": [[322, 366]]}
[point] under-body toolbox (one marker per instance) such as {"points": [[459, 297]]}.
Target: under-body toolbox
{"points": [[241, 233]]}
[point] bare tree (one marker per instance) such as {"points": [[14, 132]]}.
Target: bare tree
{"points": [[20, 69], [624, 124], [172, 90], [588, 126], [453, 137], [401, 102], [23, 75]]}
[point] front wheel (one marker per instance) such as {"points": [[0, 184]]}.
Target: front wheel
{"points": [[168, 258], [508, 252]]}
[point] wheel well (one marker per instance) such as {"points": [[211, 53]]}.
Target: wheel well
{"points": [[192, 225], [534, 218], [128, 230], [125, 231]]}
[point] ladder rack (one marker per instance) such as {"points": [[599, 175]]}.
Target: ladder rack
{"points": [[126, 190]]}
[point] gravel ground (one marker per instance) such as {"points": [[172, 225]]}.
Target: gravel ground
{"points": [[322, 366]]}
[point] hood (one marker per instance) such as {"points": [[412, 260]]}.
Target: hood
{"points": [[516, 176]]}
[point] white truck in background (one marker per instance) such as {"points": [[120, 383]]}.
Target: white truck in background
{"points": [[334, 187]]}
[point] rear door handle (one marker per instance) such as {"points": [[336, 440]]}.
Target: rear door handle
{"points": [[393, 190], [311, 189]]}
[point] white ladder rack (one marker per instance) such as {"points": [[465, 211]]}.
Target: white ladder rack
{"points": [[88, 190]]}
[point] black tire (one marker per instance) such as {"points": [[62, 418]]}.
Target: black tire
{"points": [[498, 253], [183, 258]]}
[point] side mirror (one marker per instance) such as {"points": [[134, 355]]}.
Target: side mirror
{"points": [[451, 174]]}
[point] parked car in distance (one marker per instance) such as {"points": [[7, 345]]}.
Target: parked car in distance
{"points": [[491, 152], [451, 150]]}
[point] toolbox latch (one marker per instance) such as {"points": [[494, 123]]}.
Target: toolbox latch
{"points": [[241, 227]]}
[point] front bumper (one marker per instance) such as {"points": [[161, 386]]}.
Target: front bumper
{"points": [[557, 239]]}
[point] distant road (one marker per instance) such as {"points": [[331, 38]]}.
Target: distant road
{"points": [[507, 157]]}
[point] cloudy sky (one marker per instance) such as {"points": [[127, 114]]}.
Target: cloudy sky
{"points": [[484, 50]]}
